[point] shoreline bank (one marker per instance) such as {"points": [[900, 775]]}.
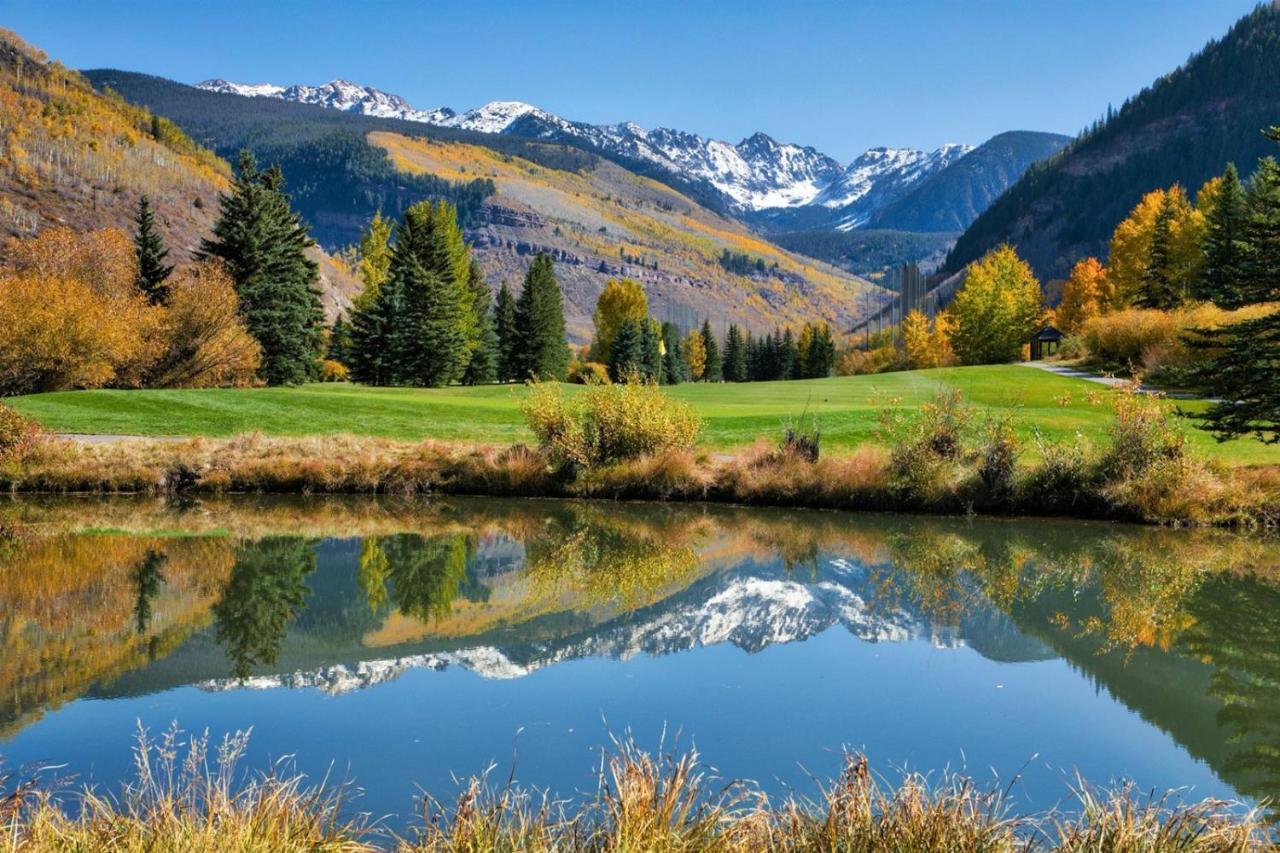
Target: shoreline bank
{"points": [[764, 475]]}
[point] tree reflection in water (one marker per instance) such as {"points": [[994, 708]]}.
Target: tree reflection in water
{"points": [[266, 590]]}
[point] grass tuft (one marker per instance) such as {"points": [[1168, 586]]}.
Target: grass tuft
{"points": [[180, 799]]}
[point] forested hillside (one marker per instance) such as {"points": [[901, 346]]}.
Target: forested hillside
{"points": [[949, 200], [1181, 129], [868, 250], [71, 156]]}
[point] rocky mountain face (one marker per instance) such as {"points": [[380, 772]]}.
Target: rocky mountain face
{"points": [[758, 175]]}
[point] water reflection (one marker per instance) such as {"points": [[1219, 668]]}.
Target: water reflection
{"points": [[124, 598]]}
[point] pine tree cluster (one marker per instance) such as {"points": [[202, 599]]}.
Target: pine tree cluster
{"points": [[427, 317], [1242, 268]]}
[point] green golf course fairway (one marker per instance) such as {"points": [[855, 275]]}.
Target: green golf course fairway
{"points": [[735, 414]]}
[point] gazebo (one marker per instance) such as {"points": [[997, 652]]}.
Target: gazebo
{"points": [[1045, 342]]}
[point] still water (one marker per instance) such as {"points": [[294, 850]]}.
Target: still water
{"points": [[405, 645]]}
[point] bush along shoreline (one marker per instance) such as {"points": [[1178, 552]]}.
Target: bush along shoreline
{"points": [[189, 794], [629, 441]]}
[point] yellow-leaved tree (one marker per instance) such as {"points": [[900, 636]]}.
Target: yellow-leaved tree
{"points": [[620, 301], [694, 353], [996, 310], [1087, 294], [375, 259], [1130, 258], [927, 343]]}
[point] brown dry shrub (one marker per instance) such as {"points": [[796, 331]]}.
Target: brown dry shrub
{"points": [[18, 434], [669, 475]]}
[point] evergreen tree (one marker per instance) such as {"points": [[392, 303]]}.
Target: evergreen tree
{"points": [[651, 347], [735, 356], [340, 342], [375, 338], [1224, 266], [375, 258], [151, 254], [713, 369], [263, 243], [483, 366], [673, 366], [787, 354], [627, 352], [541, 350], [504, 327], [1245, 372], [1261, 264], [430, 315], [1158, 287], [821, 358]]}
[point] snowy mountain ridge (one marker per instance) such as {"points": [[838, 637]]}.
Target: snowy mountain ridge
{"points": [[751, 613], [757, 174]]}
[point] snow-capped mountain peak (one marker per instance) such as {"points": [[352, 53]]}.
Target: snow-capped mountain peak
{"points": [[757, 174], [337, 94], [498, 116], [248, 90]]}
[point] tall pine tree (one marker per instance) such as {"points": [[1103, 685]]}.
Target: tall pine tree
{"points": [[483, 366], [735, 356], [1225, 250], [149, 248], [375, 337], [627, 356], [1158, 286], [673, 366], [504, 326], [263, 243], [713, 371], [430, 267], [541, 351]]}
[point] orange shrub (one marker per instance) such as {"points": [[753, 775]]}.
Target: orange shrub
{"points": [[206, 343], [61, 333]]}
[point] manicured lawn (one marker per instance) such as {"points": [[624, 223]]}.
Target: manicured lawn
{"points": [[735, 414]]}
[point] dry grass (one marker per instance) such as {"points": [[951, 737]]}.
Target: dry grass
{"points": [[181, 800], [182, 797], [939, 460]]}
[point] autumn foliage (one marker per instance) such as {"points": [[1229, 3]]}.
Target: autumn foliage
{"points": [[75, 318]]}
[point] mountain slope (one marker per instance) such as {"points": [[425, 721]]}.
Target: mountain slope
{"points": [[74, 157], [336, 179], [952, 197], [1183, 128], [604, 221], [516, 196]]}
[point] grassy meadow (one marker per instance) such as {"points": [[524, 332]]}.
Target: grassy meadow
{"points": [[735, 414]]}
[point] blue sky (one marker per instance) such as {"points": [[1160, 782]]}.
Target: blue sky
{"points": [[841, 76]]}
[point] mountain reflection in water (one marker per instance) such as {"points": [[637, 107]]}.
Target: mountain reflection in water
{"points": [[113, 599]]}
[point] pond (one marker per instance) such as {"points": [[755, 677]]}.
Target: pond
{"points": [[408, 644]]}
